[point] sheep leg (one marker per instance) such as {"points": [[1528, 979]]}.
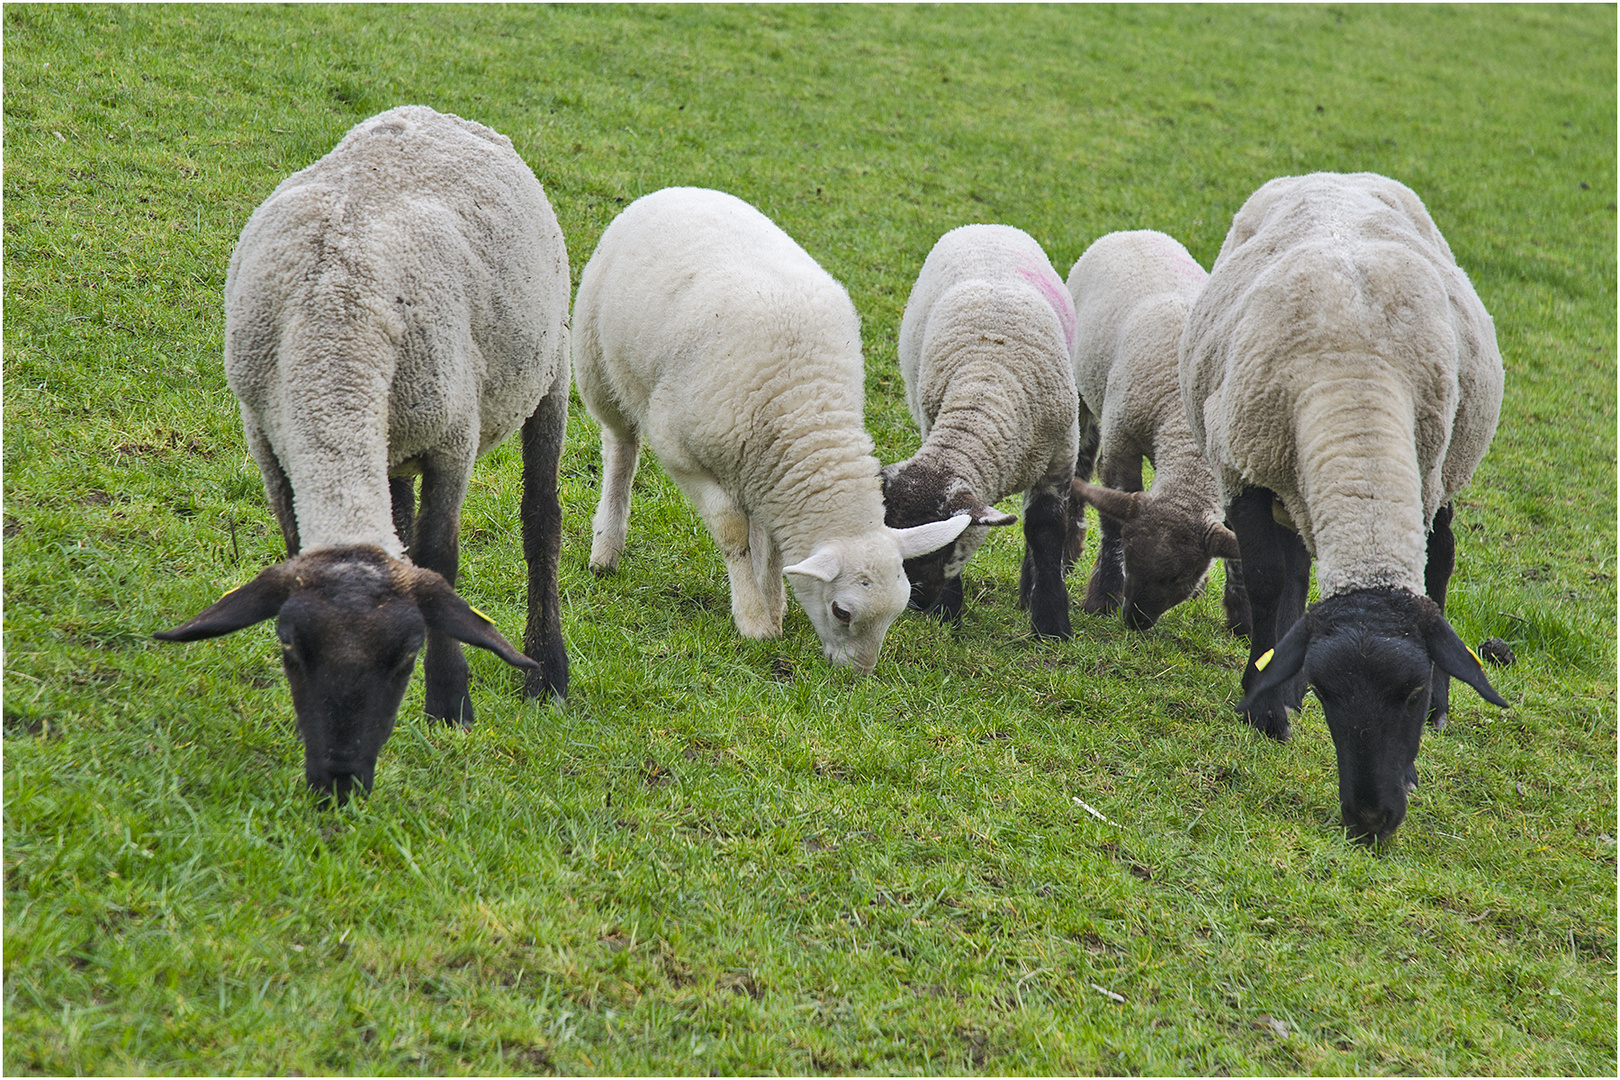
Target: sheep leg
{"points": [[1105, 592], [621, 452], [277, 488], [402, 502], [1040, 582], [1074, 544], [730, 528], [542, 542], [948, 607], [766, 559], [436, 545], [1273, 558], [1436, 576], [1235, 600]]}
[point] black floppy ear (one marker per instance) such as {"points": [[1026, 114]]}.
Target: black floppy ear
{"points": [[443, 610], [1451, 656], [254, 602], [1119, 505], [1283, 663], [984, 514]]}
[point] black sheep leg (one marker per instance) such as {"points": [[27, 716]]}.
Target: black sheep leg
{"points": [[948, 606], [542, 543], [1436, 576], [436, 545], [1276, 576], [1235, 600], [402, 497], [1040, 583], [1106, 589]]}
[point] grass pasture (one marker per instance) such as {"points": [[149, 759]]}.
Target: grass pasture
{"points": [[721, 855]]}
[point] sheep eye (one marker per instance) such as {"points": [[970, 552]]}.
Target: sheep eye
{"points": [[841, 613]]}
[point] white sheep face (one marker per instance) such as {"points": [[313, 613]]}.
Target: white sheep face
{"points": [[852, 589]]}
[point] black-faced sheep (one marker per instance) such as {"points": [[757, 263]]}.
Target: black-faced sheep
{"points": [[703, 327], [393, 310], [987, 351], [1131, 294], [1342, 376]]}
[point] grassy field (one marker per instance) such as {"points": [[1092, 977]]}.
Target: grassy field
{"points": [[721, 855]]}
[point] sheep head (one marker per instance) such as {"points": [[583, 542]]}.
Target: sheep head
{"points": [[915, 493], [1167, 551], [351, 621], [1371, 656], [853, 588]]}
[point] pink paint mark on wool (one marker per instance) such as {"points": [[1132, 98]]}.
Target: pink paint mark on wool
{"points": [[1182, 262], [1057, 295]]}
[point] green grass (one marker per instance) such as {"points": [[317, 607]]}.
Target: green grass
{"points": [[722, 855]]}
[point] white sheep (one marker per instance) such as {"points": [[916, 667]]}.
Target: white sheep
{"points": [[987, 351], [701, 326], [1342, 377], [1131, 294], [393, 310]]}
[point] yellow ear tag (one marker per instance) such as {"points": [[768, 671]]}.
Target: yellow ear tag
{"points": [[1265, 658], [481, 615], [1477, 661]]}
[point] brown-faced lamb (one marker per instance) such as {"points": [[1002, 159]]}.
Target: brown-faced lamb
{"points": [[1131, 294], [1342, 376], [987, 351], [703, 327], [394, 310]]}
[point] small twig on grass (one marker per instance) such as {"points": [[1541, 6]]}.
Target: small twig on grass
{"points": [[1109, 994], [1094, 812]]}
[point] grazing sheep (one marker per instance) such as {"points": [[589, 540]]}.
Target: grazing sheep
{"points": [[396, 309], [987, 352], [1342, 376], [704, 327], [1131, 294]]}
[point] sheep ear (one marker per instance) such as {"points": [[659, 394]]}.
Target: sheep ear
{"points": [[443, 610], [1451, 656], [823, 564], [921, 539], [254, 602], [1120, 505], [1283, 664], [991, 517], [1221, 543]]}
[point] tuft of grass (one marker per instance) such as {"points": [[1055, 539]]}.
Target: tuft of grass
{"points": [[721, 855]]}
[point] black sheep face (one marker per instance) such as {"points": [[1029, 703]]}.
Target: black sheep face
{"points": [[915, 493], [1372, 657], [351, 621], [348, 647]]}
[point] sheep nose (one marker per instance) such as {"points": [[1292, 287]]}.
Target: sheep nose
{"points": [[339, 783], [1137, 619], [1372, 825]]}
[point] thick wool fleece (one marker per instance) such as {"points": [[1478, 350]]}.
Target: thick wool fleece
{"points": [[1339, 357], [1132, 291], [706, 328], [398, 306], [987, 352]]}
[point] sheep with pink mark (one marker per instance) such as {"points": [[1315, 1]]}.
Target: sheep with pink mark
{"points": [[987, 352], [1131, 293]]}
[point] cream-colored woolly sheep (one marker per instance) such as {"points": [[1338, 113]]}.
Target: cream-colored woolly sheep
{"points": [[394, 310], [1131, 294], [1342, 377], [701, 326], [987, 351]]}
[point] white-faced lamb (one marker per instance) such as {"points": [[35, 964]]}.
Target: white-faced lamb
{"points": [[1342, 376], [394, 310], [987, 351], [1131, 294], [704, 328]]}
